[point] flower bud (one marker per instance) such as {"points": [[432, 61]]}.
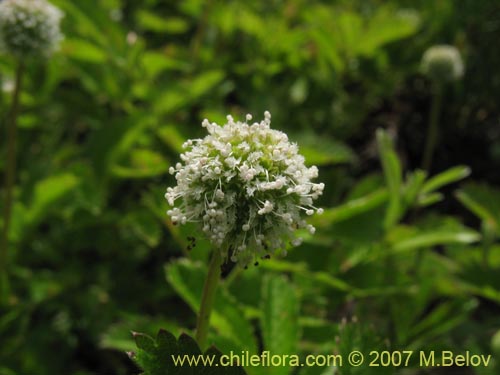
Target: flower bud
{"points": [[442, 63], [29, 28]]}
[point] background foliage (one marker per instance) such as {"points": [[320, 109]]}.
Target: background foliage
{"points": [[402, 259]]}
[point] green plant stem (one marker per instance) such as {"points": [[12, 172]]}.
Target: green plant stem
{"points": [[432, 131], [10, 177], [207, 298]]}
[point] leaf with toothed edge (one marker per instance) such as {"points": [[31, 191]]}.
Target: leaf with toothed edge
{"points": [[144, 342], [159, 356]]}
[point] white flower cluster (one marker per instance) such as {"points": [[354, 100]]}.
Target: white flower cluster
{"points": [[29, 28], [442, 63], [247, 186]]}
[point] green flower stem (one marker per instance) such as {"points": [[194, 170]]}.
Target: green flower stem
{"points": [[10, 177], [432, 131], [207, 298]]}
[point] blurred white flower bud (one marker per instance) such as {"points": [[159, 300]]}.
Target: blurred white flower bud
{"points": [[29, 28], [442, 63]]}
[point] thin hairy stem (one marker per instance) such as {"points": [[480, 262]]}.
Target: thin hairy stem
{"points": [[207, 298]]}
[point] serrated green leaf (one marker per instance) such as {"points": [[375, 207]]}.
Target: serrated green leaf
{"points": [[165, 340], [144, 342], [188, 344], [117, 336], [167, 355]]}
